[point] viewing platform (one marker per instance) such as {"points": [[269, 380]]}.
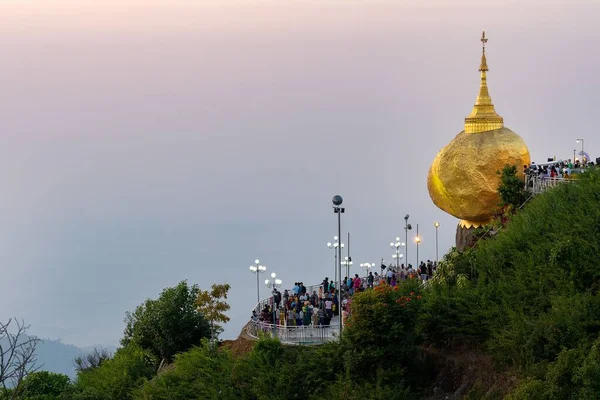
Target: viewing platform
{"points": [[291, 334], [296, 335]]}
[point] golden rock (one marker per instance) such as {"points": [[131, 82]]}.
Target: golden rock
{"points": [[463, 179]]}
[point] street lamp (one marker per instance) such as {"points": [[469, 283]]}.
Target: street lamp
{"points": [[397, 245], [437, 225], [407, 227], [347, 263], [581, 140], [257, 269], [337, 202], [273, 284], [417, 241], [367, 267], [336, 246]]}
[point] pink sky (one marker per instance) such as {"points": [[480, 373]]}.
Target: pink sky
{"points": [[146, 142]]}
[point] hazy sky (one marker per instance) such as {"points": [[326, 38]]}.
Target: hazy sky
{"points": [[147, 142]]}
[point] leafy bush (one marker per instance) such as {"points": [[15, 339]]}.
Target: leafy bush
{"points": [[40, 385], [380, 336], [200, 373], [511, 188], [272, 369], [116, 378]]}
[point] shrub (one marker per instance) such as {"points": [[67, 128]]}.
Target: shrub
{"points": [[380, 336], [200, 373], [116, 378]]}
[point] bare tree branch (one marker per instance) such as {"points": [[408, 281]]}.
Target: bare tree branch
{"points": [[92, 360], [17, 354]]}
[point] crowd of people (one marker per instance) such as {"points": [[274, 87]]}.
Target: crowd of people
{"points": [[299, 307], [558, 169]]}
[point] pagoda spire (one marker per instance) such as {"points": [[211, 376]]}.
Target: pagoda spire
{"points": [[483, 117]]}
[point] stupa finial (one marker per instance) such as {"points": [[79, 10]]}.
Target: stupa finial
{"points": [[483, 117], [483, 67]]}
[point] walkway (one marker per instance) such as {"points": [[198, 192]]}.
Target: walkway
{"points": [[296, 335]]}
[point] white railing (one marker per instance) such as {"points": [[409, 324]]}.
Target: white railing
{"points": [[539, 184], [299, 335]]}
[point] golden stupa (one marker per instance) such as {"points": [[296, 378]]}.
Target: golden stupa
{"points": [[463, 179]]}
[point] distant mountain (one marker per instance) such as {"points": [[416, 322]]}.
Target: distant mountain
{"points": [[55, 356]]}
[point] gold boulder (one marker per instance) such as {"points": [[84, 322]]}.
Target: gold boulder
{"points": [[463, 179]]}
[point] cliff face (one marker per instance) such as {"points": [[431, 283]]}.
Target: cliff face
{"points": [[242, 345]]}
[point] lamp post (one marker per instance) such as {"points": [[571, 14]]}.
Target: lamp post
{"points": [[347, 263], [397, 245], [257, 269], [437, 225], [367, 267], [337, 202], [581, 140], [336, 246], [407, 227], [417, 241], [274, 284]]}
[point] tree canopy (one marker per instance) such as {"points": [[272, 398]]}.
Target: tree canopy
{"points": [[44, 385], [169, 324], [212, 305]]}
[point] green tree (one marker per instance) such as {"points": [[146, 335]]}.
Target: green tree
{"points": [[116, 378], [44, 385], [212, 305], [512, 188], [168, 325]]}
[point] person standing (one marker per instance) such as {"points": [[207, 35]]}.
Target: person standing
{"points": [[315, 316], [329, 308], [356, 283], [276, 297], [350, 287]]}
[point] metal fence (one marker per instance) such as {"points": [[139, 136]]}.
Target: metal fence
{"points": [[299, 335], [537, 184]]}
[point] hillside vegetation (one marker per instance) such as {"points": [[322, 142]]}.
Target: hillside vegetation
{"points": [[517, 317], [529, 296]]}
